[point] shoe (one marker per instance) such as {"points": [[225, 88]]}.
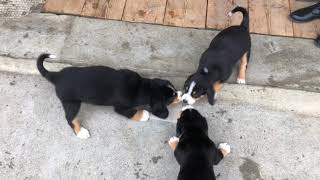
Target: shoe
{"points": [[306, 14], [317, 41]]}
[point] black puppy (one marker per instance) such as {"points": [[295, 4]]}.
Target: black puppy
{"points": [[194, 151], [216, 63], [128, 92]]}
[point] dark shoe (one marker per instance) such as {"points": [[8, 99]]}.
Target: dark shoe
{"points": [[306, 14], [317, 41]]}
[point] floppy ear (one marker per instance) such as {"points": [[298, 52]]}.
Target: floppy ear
{"points": [[210, 96], [162, 82]]}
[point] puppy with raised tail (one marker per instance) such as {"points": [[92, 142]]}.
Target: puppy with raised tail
{"points": [[193, 149], [217, 62], [130, 94]]}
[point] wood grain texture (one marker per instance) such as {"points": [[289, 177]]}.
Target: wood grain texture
{"points": [[64, 6], [280, 24], [186, 13], [90, 8], [305, 30], [217, 15], [110, 9], [259, 16], [148, 11]]}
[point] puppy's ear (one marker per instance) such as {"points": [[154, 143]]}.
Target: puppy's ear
{"points": [[162, 82], [204, 71], [210, 96]]}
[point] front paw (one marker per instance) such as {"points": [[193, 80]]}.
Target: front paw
{"points": [[241, 81], [83, 133], [224, 148], [173, 142]]}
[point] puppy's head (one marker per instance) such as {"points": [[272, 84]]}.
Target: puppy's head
{"points": [[165, 91], [198, 85], [191, 119]]}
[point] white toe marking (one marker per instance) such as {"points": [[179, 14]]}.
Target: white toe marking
{"points": [[241, 81], [173, 140], [225, 146], [52, 56], [83, 133], [145, 115]]}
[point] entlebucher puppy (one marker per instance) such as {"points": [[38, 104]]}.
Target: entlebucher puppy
{"points": [[216, 63], [193, 149], [130, 94]]}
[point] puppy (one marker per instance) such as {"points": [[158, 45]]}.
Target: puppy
{"points": [[216, 63], [194, 151], [127, 91]]}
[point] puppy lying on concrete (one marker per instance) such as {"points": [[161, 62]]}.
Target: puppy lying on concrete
{"points": [[216, 63], [127, 91], [193, 149]]}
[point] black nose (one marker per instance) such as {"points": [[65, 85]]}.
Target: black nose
{"points": [[185, 101]]}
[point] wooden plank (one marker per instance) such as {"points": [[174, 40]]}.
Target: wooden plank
{"points": [[148, 11], [64, 6], [259, 16], [90, 8], [280, 24], [217, 15], [110, 9], [305, 30], [236, 19], [186, 13]]}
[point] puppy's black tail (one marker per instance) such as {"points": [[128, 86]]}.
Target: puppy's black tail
{"points": [[245, 20], [45, 73]]}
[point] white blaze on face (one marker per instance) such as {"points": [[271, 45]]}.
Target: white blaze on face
{"points": [[187, 96]]}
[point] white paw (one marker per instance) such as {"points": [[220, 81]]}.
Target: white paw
{"points": [[225, 146], [173, 140], [145, 115], [83, 133], [241, 81], [215, 96]]}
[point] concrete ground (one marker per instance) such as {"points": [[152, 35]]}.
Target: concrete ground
{"points": [[272, 124]]}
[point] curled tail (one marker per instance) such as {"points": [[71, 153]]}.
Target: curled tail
{"points": [[245, 20], [45, 73]]}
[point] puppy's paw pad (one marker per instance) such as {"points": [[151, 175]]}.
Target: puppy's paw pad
{"points": [[225, 147], [241, 81], [173, 140], [145, 115], [83, 133]]}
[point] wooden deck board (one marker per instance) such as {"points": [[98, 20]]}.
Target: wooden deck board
{"points": [[217, 15], [266, 17], [279, 22], [305, 30], [148, 11], [186, 13], [64, 6], [110, 9]]}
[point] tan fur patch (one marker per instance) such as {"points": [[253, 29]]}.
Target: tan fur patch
{"points": [[173, 145], [76, 125], [137, 116], [217, 86], [175, 101], [243, 67]]}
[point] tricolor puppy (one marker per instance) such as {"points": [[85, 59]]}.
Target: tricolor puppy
{"points": [[193, 149], [127, 91], [216, 63]]}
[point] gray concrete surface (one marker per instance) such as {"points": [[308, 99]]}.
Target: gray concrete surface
{"points": [[36, 142], [157, 50], [19, 8]]}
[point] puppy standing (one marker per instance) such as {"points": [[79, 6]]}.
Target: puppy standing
{"points": [[194, 151], [216, 63], [126, 90]]}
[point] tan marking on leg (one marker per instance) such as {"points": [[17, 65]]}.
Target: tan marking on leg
{"points": [[137, 116], [173, 144], [76, 125], [217, 86], [243, 67]]}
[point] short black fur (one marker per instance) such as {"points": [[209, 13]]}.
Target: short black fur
{"points": [[195, 152]]}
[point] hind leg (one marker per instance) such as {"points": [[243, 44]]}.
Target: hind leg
{"points": [[71, 109], [243, 68]]}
